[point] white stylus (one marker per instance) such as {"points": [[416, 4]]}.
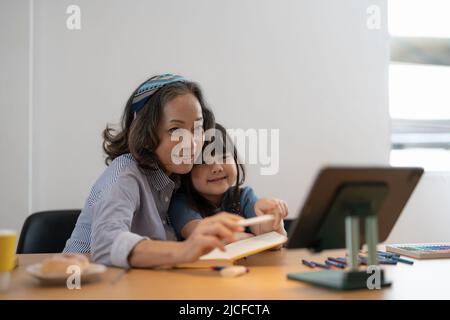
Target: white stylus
{"points": [[256, 220]]}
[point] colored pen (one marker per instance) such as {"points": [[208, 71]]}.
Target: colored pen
{"points": [[381, 260], [217, 268], [395, 257], [406, 261], [338, 260], [388, 254], [308, 263], [387, 261], [320, 265], [341, 260], [335, 264], [220, 268], [361, 260]]}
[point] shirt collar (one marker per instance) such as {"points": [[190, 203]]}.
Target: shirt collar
{"points": [[160, 180]]}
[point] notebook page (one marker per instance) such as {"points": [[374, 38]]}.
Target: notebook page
{"points": [[246, 246]]}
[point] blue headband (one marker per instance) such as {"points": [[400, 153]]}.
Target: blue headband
{"points": [[147, 89]]}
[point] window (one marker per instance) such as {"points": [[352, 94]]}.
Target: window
{"points": [[419, 83]]}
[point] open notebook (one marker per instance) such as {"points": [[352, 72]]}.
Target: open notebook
{"points": [[237, 250]]}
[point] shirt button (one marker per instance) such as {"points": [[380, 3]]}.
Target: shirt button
{"points": [[166, 199]]}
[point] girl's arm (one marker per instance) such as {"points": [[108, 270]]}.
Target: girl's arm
{"points": [[189, 227]]}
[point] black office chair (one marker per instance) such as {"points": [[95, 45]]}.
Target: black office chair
{"points": [[287, 223], [47, 231]]}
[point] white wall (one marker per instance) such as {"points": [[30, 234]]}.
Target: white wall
{"points": [[14, 94], [426, 217], [310, 68]]}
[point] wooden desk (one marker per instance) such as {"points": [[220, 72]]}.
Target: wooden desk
{"points": [[266, 280]]}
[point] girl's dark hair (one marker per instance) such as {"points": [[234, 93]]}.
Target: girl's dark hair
{"points": [[140, 137], [231, 199]]}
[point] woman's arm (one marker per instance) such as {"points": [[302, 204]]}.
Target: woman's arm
{"points": [[187, 230], [190, 226], [208, 234], [152, 253]]}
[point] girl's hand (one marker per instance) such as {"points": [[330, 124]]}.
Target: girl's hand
{"points": [[278, 208], [210, 233]]}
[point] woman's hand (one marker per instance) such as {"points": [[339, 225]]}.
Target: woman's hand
{"points": [[210, 233], [276, 207]]}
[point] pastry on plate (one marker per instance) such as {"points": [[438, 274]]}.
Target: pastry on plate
{"points": [[58, 264]]}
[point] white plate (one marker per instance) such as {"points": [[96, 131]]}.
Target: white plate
{"points": [[90, 274]]}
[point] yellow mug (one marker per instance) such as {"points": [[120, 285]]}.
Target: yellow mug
{"points": [[7, 257], [7, 250]]}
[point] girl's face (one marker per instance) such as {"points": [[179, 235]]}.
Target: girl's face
{"points": [[213, 180], [182, 112]]}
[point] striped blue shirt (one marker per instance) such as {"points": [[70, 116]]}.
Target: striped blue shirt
{"points": [[126, 205]]}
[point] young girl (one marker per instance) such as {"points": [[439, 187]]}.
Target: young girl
{"points": [[216, 185], [124, 221]]}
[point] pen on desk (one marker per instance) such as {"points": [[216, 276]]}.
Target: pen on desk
{"points": [[381, 260], [335, 264], [406, 261], [321, 265], [217, 268], [361, 260], [338, 260], [231, 271], [313, 264], [341, 260], [388, 254], [395, 257], [387, 261], [308, 263]]}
